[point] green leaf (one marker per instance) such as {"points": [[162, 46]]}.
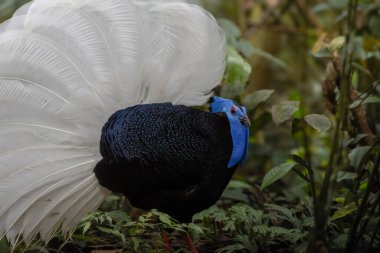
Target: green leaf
{"points": [[269, 57], [136, 244], [276, 173], [337, 43], [195, 229], [86, 227], [112, 232], [4, 247], [357, 154], [165, 219], [119, 216], [253, 100], [229, 28], [285, 214], [284, 111], [237, 184], [354, 140], [238, 69], [319, 122], [246, 48], [344, 211], [372, 99], [322, 53], [343, 175]]}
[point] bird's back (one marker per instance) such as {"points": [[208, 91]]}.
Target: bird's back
{"points": [[161, 154]]}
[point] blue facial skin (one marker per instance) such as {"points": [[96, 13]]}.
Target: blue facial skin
{"points": [[239, 124]]}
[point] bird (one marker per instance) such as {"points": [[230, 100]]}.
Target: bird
{"points": [[101, 96]]}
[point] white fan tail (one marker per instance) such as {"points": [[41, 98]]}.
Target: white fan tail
{"points": [[65, 67], [186, 53]]}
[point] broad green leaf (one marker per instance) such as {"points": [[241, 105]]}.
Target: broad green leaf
{"points": [[119, 215], [337, 43], [136, 244], [237, 184], [284, 111], [276, 173], [268, 56], [238, 69], [229, 28], [86, 227], [322, 53], [344, 175], [354, 140], [246, 48], [112, 232], [253, 100], [357, 154], [165, 219], [372, 99], [195, 229], [319, 122], [4, 247], [344, 211]]}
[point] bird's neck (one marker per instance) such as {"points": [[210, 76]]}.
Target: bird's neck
{"points": [[240, 139]]}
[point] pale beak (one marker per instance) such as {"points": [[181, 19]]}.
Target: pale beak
{"points": [[245, 121]]}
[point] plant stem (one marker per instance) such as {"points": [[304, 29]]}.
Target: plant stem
{"points": [[323, 202], [351, 242]]}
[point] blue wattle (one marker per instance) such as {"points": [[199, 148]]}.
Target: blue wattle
{"points": [[240, 139], [239, 132]]}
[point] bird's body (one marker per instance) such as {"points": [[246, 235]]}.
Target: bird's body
{"points": [[134, 68], [172, 157]]}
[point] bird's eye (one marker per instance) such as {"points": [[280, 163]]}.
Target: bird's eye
{"points": [[233, 109]]}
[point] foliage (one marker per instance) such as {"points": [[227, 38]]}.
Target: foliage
{"points": [[312, 180]]}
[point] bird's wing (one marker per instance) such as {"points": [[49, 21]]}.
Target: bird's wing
{"points": [[65, 67]]}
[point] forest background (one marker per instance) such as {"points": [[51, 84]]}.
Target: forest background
{"points": [[308, 72]]}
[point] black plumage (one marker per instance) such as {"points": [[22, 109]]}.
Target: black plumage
{"points": [[170, 157]]}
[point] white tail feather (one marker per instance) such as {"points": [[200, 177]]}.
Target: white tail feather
{"points": [[65, 67]]}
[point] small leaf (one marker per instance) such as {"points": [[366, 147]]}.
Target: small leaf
{"points": [[195, 229], [357, 154], [276, 173], [337, 43], [4, 246], [372, 99], [86, 226], [343, 175], [237, 184], [284, 111], [238, 69], [322, 53], [165, 219], [112, 232], [253, 100], [344, 211], [354, 140], [229, 28], [269, 57], [319, 122], [246, 48]]}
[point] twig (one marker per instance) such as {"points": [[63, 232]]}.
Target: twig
{"points": [[317, 242]]}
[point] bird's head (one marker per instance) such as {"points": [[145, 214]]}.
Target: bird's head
{"points": [[239, 124]]}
